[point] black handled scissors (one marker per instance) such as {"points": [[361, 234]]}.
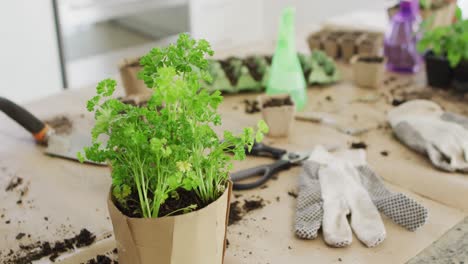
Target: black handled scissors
{"points": [[284, 161]]}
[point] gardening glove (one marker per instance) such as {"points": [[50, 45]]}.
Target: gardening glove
{"points": [[399, 208], [424, 127]]}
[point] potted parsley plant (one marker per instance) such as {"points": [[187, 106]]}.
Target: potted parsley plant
{"points": [[170, 190]]}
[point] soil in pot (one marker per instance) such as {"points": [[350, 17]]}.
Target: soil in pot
{"points": [[438, 71], [371, 59], [254, 70], [275, 102], [230, 70], [185, 199]]}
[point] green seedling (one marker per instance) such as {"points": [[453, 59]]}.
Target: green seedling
{"points": [[449, 41]]}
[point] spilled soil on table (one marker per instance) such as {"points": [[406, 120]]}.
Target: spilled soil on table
{"points": [[41, 249], [61, 124], [239, 210]]}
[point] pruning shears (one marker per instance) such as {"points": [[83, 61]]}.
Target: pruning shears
{"points": [[284, 161]]}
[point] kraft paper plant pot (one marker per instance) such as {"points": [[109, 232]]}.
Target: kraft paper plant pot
{"points": [[438, 71], [370, 44], [278, 118], [368, 71], [315, 41], [330, 45], [196, 238], [129, 69], [348, 46]]}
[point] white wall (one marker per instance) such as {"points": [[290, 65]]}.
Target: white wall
{"points": [[29, 61], [236, 22], [313, 12]]}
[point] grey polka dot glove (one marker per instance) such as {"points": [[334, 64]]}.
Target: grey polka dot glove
{"points": [[424, 127], [310, 203]]}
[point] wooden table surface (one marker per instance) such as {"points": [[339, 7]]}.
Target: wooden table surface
{"points": [[64, 196]]}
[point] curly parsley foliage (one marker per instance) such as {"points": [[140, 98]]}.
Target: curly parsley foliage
{"points": [[168, 144]]}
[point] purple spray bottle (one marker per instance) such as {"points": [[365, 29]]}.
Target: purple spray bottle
{"points": [[400, 41]]}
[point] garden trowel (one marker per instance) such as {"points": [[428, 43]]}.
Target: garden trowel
{"points": [[63, 146]]}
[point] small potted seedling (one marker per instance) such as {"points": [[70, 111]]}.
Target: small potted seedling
{"points": [[445, 55], [368, 70], [134, 87], [278, 112], [170, 189]]}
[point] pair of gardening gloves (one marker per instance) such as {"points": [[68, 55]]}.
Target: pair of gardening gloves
{"points": [[335, 185], [423, 126]]}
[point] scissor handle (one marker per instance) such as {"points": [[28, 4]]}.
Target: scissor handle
{"points": [[265, 171], [262, 150]]}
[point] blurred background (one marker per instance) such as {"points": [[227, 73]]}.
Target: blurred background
{"points": [[51, 45]]}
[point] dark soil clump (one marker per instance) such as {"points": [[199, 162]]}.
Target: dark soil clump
{"points": [[61, 125], [15, 182], [237, 212], [250, 205], [292, 194], [278, 102], [251, 106], [101, 259], [20, 236], [358, 145], [371, 59], [397, 102], [35, 251]]}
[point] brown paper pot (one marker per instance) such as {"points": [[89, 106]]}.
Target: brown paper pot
{"points": [[196, 238], [129, 69], [331, 46], [370, 44], [278, 118], [348, 46], [315, 41], [367, 74]]}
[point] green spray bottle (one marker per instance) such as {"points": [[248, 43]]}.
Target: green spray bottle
{"points": [[286, 75]]}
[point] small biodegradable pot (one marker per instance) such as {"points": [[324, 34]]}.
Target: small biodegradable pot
{"points": [[438, 71], [368, 71], [370, 44], [348, 45], [460, 77], [279, 118], [330, 44], [129, 69], [197, 237], [315, 41]]}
